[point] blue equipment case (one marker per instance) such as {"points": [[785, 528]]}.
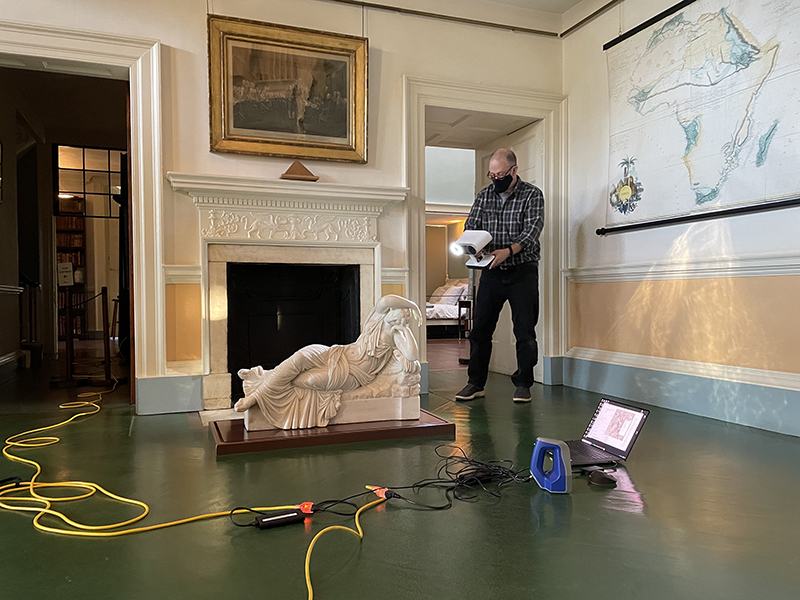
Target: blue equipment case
{"points": [[557, 480]]}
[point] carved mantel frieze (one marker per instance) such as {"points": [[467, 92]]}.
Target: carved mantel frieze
{"points": [[287, 226], [286, 211]]}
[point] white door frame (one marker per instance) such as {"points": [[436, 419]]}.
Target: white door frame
{"points": [[552, 109], [142, 58]]}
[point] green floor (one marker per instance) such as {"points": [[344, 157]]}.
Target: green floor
{"points": [[704, 510]]}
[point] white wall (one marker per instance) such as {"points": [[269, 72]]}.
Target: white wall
{"points": [[398, 45], [586, 85]]}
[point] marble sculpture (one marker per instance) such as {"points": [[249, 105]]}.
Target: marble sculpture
{"points": [[375, 378]]}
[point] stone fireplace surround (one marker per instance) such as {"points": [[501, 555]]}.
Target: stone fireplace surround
{"points": [[267, 221]]}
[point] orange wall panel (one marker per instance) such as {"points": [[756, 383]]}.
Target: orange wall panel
{"points": [[184, 322], [751, 322]]}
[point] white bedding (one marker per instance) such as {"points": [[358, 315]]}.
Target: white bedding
{"points": [[443, 311]]}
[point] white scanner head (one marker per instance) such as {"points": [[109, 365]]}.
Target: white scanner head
{"points": [[471, 242]]}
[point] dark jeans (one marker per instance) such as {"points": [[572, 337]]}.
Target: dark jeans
{"points": [[520, 286]]}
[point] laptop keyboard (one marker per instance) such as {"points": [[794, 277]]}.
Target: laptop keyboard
{"points": [[579, 450]]}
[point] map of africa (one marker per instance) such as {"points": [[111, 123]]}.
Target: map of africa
{"points": [[704, 110]]}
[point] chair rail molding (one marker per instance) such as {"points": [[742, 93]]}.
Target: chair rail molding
{"points": [[177, 274], [760, 265], [394, 275], [11, 289], [71, 50]]}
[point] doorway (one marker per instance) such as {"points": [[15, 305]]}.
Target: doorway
{"points": [[449, 184], [69, 170], [546, 110]]}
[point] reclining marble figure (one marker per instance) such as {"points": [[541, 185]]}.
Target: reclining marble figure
{"points": [[375, 378]]}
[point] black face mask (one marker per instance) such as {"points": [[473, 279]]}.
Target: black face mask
{"points": [[501, 185]]}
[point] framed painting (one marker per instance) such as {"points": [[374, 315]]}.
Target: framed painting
{"points": [[284, 91]]}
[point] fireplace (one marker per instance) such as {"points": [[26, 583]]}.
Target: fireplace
{"points": [[276, 309], [275, 222], [353, 266]]}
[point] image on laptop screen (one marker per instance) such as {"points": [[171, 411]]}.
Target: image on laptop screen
{"points": [[614, 426]]}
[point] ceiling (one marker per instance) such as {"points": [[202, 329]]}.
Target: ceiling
{"points": [[554, 6], [456, 128]]}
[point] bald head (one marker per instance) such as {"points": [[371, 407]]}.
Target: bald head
{"points": [[505, 156]]}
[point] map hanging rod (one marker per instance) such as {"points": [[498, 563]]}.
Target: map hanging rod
{"points": [[702, 216], [648, 23]]}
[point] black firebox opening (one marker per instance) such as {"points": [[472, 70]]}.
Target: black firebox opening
{"points": [[276, 309]]}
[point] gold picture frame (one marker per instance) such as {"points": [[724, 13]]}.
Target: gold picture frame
{"points": [[277, 90]]}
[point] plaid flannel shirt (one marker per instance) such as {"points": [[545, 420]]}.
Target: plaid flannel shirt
{"points": [[519, 219]]}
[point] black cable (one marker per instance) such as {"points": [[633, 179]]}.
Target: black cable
{"points": [[251, 523], [325, 506], [462, 478]]}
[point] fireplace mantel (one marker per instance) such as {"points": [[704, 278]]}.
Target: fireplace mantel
{"points": [[279, 211], [218, 191]]}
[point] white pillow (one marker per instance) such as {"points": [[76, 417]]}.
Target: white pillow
{"points": [[438, 294], [453, 295], [457, 282]]}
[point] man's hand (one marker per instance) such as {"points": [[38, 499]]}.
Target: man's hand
{"points": [[500, 255]]}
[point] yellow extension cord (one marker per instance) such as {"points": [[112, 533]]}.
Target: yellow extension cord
{"points": [[41, 504], [359, 534]]}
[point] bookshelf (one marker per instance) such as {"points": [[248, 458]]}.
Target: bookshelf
{"points": [[84, 181], [71, 247]]}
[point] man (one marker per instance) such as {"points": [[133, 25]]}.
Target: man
{"points": [[512, 211]]}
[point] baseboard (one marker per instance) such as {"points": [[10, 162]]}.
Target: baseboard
{"points": [[174, 394], [553, 367], [761, 406], [759, 377]]}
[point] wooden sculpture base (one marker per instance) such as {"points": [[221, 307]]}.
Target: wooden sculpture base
{"points": [[232, 438]]}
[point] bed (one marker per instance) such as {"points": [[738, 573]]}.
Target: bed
{"points": [[449, 306]]}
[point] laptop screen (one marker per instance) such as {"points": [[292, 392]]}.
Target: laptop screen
{"points": [[615, 426]]}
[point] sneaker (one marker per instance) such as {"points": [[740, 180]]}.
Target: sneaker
{"points": [[522, 394], [469, 392]]}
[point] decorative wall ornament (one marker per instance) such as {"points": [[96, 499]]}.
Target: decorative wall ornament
{"points": [[299, 172], [221, 224], [284, 91], [309, 388], [627, 192]]}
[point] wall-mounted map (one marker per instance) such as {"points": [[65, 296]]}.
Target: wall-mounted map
{"points": [[704, 110]]}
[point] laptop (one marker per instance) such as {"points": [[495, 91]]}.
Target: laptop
{"points": [[610, 435]]}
